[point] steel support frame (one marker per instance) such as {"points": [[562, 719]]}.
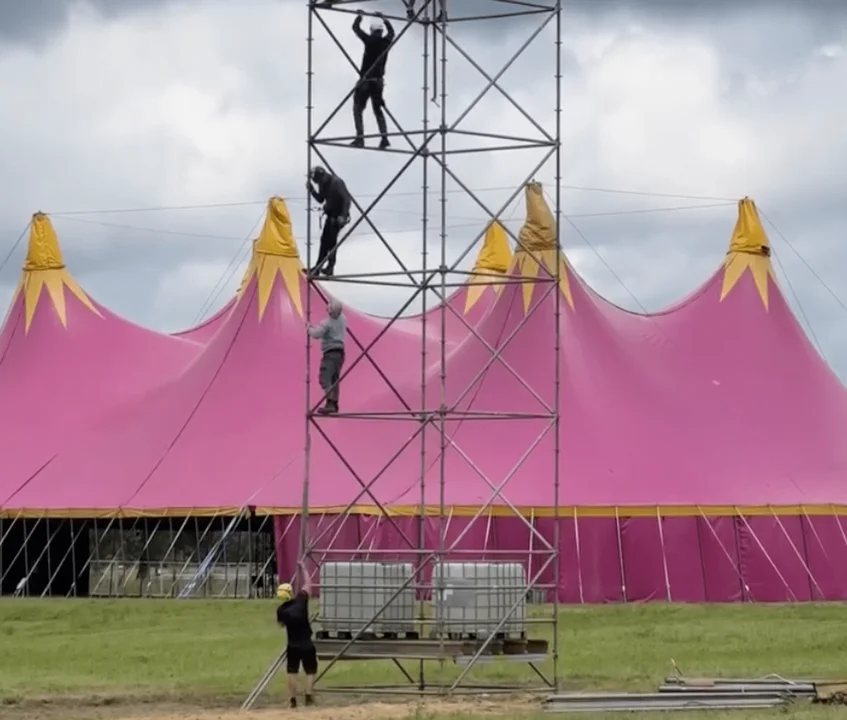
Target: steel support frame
{"points": [[437, 42]]}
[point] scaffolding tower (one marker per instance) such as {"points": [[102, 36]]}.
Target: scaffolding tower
{"points": [[430, 152]]}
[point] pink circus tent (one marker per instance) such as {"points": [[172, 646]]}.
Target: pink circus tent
{"points": [[210, 439], [64, 359], [700, 447], [701, 452], [205, 330]]}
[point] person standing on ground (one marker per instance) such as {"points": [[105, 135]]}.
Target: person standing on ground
{"points": [[371, 85], [331, 333], [293, 615], [332, 191]]}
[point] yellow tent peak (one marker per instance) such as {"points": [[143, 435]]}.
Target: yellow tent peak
{"points": [[493, 261], [43, 252], [496, 253], [539, 230], [277, 236], [749, 236], [275, 253], [44, 267], [749, 248], [538, 246]]}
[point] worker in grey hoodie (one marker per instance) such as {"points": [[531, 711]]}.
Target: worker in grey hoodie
{"points": [[331, 333]]}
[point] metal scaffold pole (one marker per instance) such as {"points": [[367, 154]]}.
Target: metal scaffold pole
{"points": [[421, 614], [557, 398], [417, 567]]}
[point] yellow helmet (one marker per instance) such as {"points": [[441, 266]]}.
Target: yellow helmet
{"points": [[285, 592]]}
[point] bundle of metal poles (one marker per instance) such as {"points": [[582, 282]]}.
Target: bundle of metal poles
{"points": [[679, 693]]}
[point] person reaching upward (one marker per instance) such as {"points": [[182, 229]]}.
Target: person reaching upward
{"points": [[293, 615], [371, 84]]}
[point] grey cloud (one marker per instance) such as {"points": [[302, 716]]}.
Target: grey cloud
{"points": [[160, 277], [597, 8], [36, 21], [674, 9]]}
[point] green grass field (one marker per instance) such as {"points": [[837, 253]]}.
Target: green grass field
{"points": [[123, 654]]}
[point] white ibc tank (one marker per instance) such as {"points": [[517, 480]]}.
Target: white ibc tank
{"points": [[474, 597], [353, 592]]}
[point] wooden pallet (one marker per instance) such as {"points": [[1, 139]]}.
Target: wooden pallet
{"points": [[421, 649], [425, 648], [366, 636], [475, 637]]}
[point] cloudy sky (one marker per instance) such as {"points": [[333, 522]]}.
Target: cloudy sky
{"points": [[672, 110]]}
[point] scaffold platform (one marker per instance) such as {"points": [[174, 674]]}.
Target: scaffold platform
{"points": [[459, 651]]}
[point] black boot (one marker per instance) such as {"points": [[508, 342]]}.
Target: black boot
{"points": [[309, 701], [358, 142], [292, 703], [328, 409], [383, 144]]}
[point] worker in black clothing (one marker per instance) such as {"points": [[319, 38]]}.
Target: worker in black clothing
{"points": [[332, 192], [293, 614], [371, 83]]}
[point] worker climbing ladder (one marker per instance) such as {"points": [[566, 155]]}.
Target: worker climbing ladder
{"points": [[428, 145]]}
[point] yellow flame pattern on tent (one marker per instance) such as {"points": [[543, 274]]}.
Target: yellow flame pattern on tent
{"points": [[491, 264], [275, 253], [537, 247], [749, 249], [44, 267]]}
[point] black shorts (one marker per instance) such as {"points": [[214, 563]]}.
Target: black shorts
{"points": [[307, 657]]}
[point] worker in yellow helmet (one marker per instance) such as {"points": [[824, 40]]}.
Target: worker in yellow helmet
{"points": [[293, 614]]}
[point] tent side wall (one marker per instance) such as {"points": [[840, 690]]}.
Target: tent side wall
{"points": [[761, 558], [196, 556], [754, 558], [44, 556]]}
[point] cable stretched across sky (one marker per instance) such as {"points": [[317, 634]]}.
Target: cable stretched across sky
{"points": [[296, 197], [242, 251], [14, 247], [471, 222]]}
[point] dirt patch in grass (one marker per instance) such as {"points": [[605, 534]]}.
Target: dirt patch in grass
{"points": [[112, 709]]}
